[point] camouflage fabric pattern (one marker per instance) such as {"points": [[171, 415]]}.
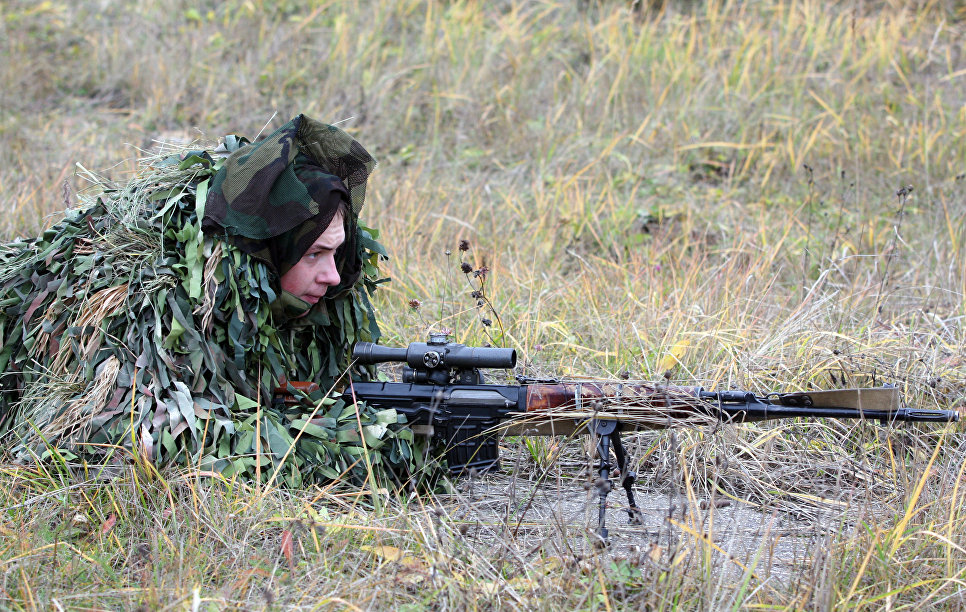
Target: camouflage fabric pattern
{"points": [[338, 152], [126, 330]]}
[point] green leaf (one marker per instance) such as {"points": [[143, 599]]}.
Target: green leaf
{"points": [[387, 417], [278, 441], [347, 435], [310, 429], [174, 336], [195, 157], [245, 404], [374, 434]]}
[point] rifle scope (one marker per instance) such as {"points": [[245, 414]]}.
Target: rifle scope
{"points": [[436, 356]]}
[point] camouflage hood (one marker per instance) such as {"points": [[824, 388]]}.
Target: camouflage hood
{"points": [[274, 198]]}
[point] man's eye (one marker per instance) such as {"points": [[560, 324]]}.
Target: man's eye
{"points": [[316, 254]]}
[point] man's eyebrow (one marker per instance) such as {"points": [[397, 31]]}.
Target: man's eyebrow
{"points": [[326, 245]]}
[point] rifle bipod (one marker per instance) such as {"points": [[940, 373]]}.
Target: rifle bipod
{"points": [[607, 435]]}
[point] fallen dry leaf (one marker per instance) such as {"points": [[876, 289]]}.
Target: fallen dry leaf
{"points": [[108, 524], [288, 549]]}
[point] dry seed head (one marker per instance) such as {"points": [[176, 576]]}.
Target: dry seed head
{"points": [[269, 595], [464, 245], [66, 191]]}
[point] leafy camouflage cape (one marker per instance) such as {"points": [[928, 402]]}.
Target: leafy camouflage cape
{"points": [[126, 329]]}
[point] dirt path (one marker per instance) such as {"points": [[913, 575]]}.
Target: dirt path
{"points": [[559, 518]]}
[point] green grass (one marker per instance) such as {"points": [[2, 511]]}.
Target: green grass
{"points": [[711, 192]]}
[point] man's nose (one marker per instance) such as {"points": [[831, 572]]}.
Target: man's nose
{"points": [[328, 273]]}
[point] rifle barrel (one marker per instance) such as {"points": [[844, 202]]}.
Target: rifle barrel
{"points": [[753, 412]]}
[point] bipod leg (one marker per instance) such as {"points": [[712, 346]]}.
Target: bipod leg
{"points": [[628, 478], [603, 431]]}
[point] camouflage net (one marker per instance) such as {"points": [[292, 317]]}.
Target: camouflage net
{"points": [[126, 330]]}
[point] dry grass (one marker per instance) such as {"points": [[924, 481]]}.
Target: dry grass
{"points": [[710, 192]]}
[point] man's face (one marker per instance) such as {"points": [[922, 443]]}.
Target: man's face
{"points": [[316, 271]]}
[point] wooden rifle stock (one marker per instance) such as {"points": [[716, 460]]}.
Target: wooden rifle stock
{"points": [[563, 408]]}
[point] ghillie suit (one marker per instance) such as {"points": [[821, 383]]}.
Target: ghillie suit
{"points": [[150, 320]]}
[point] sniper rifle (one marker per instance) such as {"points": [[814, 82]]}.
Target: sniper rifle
{"points": [[444, 396]]}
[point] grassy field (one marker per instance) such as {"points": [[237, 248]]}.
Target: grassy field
{"points": [[766, 195]]}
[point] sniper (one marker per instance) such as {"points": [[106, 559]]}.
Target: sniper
{"points": [[155, 320]]}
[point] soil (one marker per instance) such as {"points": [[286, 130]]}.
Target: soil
{"points": [[559, 518]]}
